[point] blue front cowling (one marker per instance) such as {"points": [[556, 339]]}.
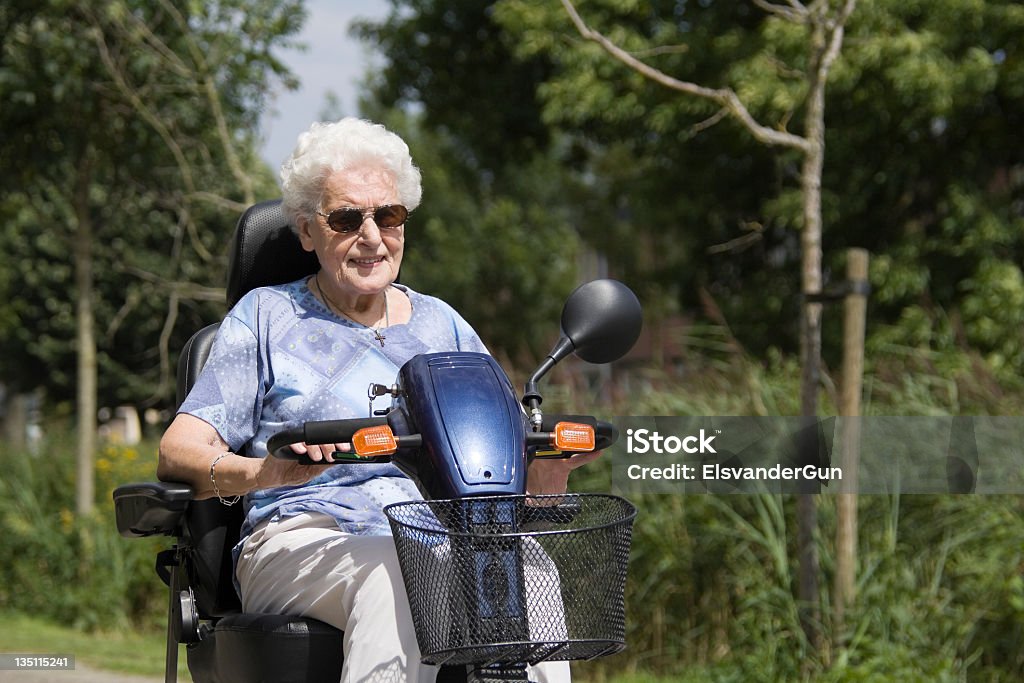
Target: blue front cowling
{"points": [[473, 428]]}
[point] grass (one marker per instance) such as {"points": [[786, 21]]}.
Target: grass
{"points": [[132, 653], [135, 653]]}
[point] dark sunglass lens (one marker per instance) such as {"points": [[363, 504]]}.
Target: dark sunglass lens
{"points": [[345, 220], [390, 216]]}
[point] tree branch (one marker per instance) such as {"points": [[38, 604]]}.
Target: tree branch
{"points": [[662, 50], [708, 122], [193, 234], [835, 42], [725, 97], [165, 345], [216, 108], [169, 56], [130, 302], [797, 15], [140, 107], [783, 70], [755, 232], [218, 200], [182, 290]]}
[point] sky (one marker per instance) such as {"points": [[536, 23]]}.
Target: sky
{"points": [[334, 61]]}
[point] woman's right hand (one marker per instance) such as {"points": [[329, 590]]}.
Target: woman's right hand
{"points": [[275, 472], [190, 446]]}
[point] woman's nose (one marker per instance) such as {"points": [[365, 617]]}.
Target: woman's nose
{"points": [[369, 233]]}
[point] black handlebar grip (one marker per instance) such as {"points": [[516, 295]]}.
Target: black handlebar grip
{"points": [[605, 434], [551, 419], [325, 431], [278, 444], [339, 431]]}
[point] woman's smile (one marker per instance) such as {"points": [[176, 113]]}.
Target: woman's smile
{"points": [[367, 262]]}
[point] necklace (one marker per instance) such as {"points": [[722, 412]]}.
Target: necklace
{"points": [[377, 334]]}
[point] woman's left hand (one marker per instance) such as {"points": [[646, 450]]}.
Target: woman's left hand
{"points": [[551, 475]]}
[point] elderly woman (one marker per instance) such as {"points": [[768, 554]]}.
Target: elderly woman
{"points": [[315, 541]]}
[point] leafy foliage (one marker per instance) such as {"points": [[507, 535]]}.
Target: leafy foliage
{"points": [[922, 165], [70, 569], [711, 587], [457, 61], [131, 128]]}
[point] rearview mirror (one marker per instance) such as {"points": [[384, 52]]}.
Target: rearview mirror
{"points": [[602, 319]]}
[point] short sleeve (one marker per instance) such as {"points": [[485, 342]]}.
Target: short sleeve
{"points": [[228, 393]]}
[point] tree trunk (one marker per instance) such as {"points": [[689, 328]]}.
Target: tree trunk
{"points": [[86, 341], [810, 338]]}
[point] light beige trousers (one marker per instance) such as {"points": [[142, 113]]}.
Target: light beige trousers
{"points": [[306, 566]]}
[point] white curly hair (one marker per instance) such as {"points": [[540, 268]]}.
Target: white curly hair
{"points": [[330, 147]]}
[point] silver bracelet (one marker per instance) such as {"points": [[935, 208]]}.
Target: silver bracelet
{"points": [[213, 480]]}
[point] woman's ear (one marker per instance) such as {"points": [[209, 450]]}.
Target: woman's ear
{"points": [[304, 231]]}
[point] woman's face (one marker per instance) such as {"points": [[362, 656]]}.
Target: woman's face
{"points": [[365, 261]]}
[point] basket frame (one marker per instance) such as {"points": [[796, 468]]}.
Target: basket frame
{"points": [[528, 647]]}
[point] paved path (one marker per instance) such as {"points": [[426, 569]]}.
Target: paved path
{"points": [[79, 674]]}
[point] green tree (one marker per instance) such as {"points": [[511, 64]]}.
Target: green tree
{"points": [[922, 112], [938, 194], [819, 27], [456, 63], [924, 170], [131, 136]]}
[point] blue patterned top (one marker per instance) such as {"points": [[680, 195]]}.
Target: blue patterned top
{"points": [[282, 358]]}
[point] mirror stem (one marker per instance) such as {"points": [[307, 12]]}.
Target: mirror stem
{"points": [[531, 396], [532, 400]]}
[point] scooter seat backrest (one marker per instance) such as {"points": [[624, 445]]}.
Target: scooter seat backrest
{"points": [[264, 251], [193, 358], [210, 529]]}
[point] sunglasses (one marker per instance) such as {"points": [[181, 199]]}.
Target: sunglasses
{"points": [[387, 217]]}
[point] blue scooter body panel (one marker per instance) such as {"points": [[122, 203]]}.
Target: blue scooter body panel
{"points": [[473, 426]]}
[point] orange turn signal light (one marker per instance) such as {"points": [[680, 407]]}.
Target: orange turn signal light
{"points": [[573, 436], [371, 441]]}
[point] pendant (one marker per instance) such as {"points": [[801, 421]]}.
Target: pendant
{"points": [[379, 337]]}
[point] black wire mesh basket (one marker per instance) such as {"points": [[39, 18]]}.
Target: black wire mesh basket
{"points": [[515, 579]]}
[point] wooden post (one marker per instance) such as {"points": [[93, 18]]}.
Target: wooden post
{"points": [[855, 311]]}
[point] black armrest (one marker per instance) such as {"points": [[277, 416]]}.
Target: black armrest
{"points": [[150, 508]]}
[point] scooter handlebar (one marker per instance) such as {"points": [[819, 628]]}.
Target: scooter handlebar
{"points": [[342, 431], [316, 433]]}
